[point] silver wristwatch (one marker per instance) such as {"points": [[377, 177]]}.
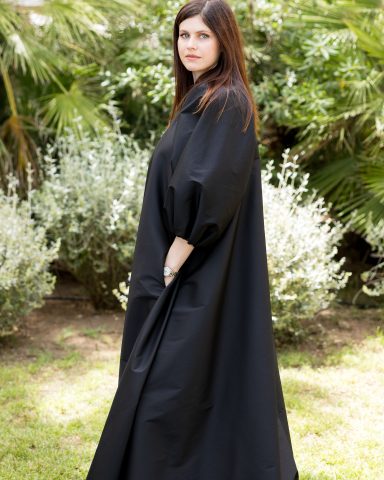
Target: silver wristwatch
{"points": [[169, 272]]}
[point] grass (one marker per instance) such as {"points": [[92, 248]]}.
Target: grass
{"points": [[336, 412], [54, 407], [52, 411]]}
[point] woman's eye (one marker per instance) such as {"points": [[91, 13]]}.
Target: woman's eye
{"points": [[185, 35]]}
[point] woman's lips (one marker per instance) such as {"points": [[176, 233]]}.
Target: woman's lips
{"points": [[192, 57]]}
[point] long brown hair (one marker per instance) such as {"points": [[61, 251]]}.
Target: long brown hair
{"points": [[230, 71]]}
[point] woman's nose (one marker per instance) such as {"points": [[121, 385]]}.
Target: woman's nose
{"points": [[191, 43]]}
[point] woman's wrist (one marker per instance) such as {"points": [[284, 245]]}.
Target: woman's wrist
{"points": [[177, 254], [169, 271]]}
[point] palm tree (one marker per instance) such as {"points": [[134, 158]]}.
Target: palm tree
{"points": [[342, 134], [318, 73], [50, 53]]}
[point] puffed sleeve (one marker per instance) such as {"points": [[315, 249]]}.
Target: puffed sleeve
{"points": [[211, 174]]}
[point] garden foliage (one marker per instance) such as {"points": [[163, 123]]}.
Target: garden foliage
{"points": [[25, 258], [302, 241], [374, 278], [91, 199]]}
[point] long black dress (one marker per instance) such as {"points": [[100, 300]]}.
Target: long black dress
{"points": [[199, 394]]}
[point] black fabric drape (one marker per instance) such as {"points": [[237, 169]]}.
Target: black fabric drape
{"points": [[199, 394]]}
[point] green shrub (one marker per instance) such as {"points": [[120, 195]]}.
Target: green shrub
{"points": [[317, 72], [91, 199], [302, 243], [374, 278], [24, 261]]}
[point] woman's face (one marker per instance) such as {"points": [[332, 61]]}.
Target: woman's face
{"points": [[198, 46]]}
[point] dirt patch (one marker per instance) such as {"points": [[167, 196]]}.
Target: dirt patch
{"points": [[60, 326], [340, 326], [68, 322]]}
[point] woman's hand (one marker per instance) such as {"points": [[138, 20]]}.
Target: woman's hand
{"points": [[168, 280]]}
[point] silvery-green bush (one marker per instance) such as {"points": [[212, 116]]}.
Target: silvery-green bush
{"points": [[302, 242], [90, 199], [25, 257]]}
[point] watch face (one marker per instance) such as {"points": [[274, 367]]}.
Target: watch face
{"points": [[167, 270]]}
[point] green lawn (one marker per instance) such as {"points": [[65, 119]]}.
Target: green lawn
{"points": [[336, 412], [54, 401]]}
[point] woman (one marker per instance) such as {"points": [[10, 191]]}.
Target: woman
{"points": [[199, 394]]}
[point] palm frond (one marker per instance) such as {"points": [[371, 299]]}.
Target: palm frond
{"points": [[372, 41], [20, 148], [9, 19], [72, 108], [336, 178], [373, 179]]}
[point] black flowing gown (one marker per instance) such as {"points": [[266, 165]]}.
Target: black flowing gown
{"points": [[199, 394]]}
